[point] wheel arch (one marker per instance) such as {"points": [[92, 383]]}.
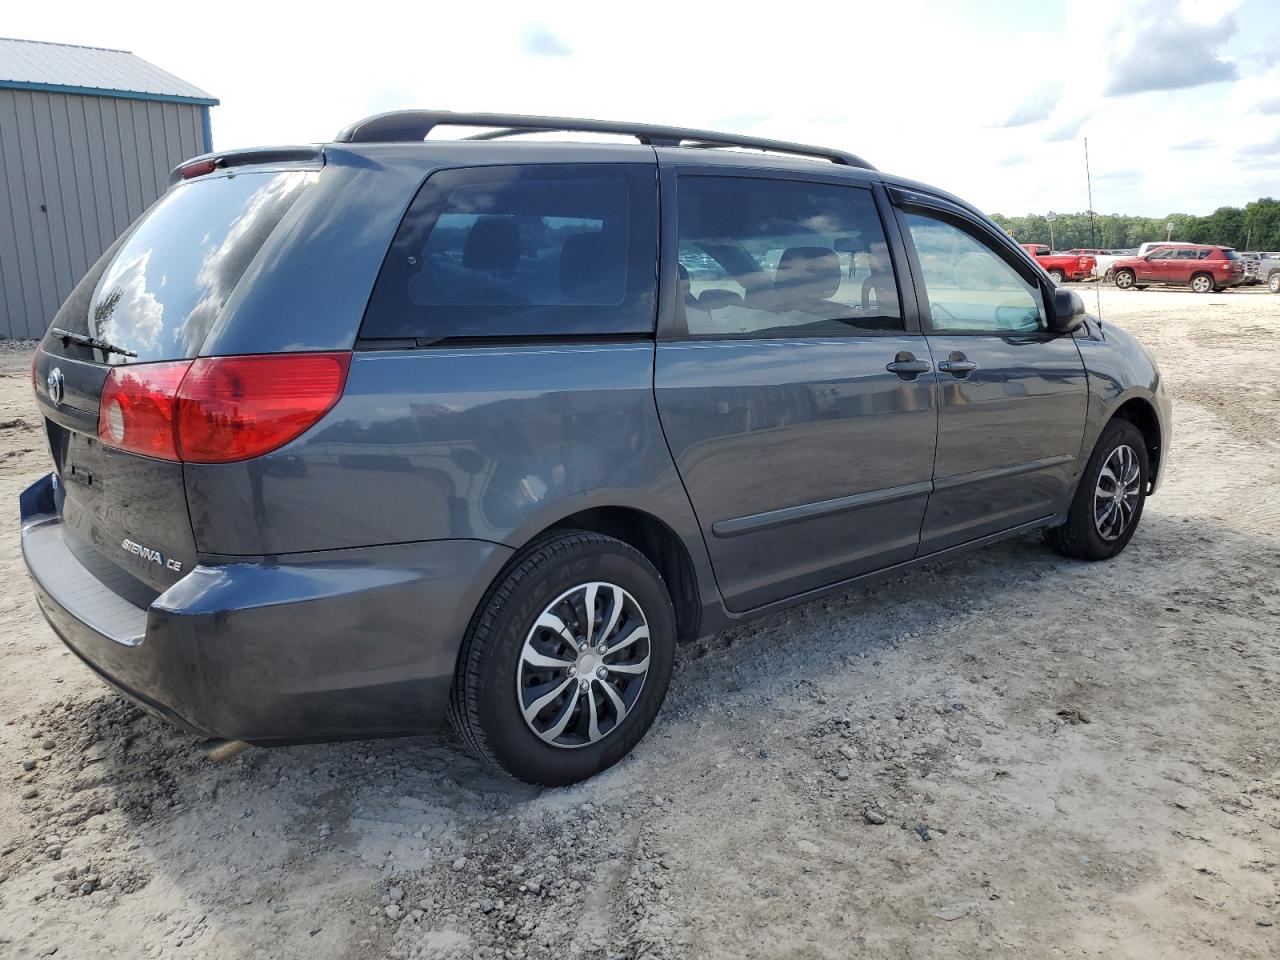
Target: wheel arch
{"points": [[1213, 284], [659, 544], [1142, 414]]}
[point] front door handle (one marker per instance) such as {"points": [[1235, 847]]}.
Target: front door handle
{"points": [[958, 365], [906, 366]]}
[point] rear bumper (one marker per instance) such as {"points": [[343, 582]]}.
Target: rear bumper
{"points": [[334, 645]]}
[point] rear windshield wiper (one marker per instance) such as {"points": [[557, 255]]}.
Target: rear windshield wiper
{"points": [[66, 336]]}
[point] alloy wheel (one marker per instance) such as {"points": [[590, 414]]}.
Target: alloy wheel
{"points": [[583, 665], [1201, 284], [1124, 280], [1115, 497]]}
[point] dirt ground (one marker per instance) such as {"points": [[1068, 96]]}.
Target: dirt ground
{"points": [[1072, 760]]}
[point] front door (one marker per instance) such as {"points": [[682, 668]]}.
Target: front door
{"points": [[798, 405], [1159, 266], [1011, 395]]}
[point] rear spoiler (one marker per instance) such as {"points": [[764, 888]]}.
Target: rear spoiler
{"points": [[209, 162]]}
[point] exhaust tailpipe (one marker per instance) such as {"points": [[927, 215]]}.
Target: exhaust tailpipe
{"points": [[220, 751]]}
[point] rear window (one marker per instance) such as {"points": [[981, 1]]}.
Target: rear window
{"points": [[1230, 254], [169, 278], [522, 250]]}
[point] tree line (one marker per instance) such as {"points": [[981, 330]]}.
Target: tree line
{"points": [[1256, 226]]}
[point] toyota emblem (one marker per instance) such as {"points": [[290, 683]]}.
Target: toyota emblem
{"points": [[57, 385]]}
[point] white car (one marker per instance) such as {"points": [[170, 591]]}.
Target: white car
{"points": [[1103, 259]]}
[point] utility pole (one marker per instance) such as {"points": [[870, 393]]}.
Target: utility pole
{"points": [[1051, 218]]}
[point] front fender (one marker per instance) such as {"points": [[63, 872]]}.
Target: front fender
{"points": [[1120, 370]]}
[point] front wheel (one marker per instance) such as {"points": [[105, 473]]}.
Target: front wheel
{"points": [[1202, 283], [1108, 503], [1125, 279], [567, 660], [1273, 284]]}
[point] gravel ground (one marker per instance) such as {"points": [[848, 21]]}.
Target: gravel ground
{"points": [[1006, 755]]}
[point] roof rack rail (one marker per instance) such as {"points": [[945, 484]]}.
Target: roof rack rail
{"points": [[410, 125]]}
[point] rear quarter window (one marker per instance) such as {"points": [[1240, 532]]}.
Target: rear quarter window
{"points": [[161, 291], [522, 250]]}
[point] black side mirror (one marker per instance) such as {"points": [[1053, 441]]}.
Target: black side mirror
{"points": [[1066, 311]]}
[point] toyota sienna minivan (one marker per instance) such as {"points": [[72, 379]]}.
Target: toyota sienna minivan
{"points": [[351, 436]]}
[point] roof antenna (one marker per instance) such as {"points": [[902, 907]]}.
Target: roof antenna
{"points": [[1093, 235]]}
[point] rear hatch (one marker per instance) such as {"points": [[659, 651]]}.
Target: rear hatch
{"points": [[150, 301]]}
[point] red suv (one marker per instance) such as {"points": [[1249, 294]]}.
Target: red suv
{"points": [[1203, 267]]}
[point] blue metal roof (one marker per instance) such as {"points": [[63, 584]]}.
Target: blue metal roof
{"points": [[91, 71]]}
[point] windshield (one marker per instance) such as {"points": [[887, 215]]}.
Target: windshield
{"points": [[170, 277]]}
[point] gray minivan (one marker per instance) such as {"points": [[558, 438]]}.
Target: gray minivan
{"points": [[349, 436]]}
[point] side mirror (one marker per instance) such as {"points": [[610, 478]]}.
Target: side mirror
{"points": [[1066, 311]]}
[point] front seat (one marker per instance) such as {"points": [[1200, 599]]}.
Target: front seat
{"points": [[806, 280]]}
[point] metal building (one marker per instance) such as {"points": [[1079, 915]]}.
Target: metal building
{"points": [[87, 139]]}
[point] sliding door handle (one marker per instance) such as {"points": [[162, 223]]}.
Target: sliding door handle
{"points": [[958, 365]]}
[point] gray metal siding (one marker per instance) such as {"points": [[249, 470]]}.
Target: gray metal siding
{"points": [[94, 163]]}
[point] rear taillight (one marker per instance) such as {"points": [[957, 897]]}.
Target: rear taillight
{"points": [[218, 409], [234, 408], [136, 412]]}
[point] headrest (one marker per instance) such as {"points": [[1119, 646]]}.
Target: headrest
{"points": [[808, 273], [718, 299], [493, 243], [590, 271]]}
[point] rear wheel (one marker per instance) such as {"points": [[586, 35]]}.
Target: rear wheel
{"points": [[1202, 283], [1274, 283], [1108, 502], [1125, 279], [1057, 276], [567, 661]]}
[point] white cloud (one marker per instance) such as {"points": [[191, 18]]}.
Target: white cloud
{"points": [[1167, 46], [1036, 107]]}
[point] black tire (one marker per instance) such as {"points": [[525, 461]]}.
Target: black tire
{"points": [[1273, 284], [1203, 283], [1057, 276], [1079, 537], [1125, 279], [484, 708]]}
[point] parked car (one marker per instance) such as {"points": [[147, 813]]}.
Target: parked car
{"points": [[1102, 259], [1268, 267], [1061, 266], [1202, 267], [348, 437]]}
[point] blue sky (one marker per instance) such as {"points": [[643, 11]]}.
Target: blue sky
{"points": [[1180, 99]]}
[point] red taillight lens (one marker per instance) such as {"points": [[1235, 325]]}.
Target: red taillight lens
{"points": [[136, 412], [234, 408], [197, 169], [218, 409]]}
